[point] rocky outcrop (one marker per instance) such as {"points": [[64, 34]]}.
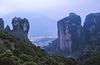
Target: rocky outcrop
{"points": [[1, 23], [7, 28], [75, 39], [20, 27], [92, 35], [69, 30], [70, 34], [92, 29]]}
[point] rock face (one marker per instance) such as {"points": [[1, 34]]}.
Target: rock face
{"points": [[75, 39], [20, 27], [92, 35], [92, 29], [69, 30], [1, 23]]}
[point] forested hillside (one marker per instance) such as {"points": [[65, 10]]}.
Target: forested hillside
{"points": [[16, 51]]}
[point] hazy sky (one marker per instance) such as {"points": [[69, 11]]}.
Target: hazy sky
{"points": [[54, 9]]}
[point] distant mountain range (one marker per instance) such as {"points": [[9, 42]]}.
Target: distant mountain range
{"points": [[39, 23]]}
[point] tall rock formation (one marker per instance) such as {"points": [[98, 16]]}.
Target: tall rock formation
{"points": [[69, 30], [20, 27], [75, 39], [1, 23], [92, 29], [92, 35], [7, 28], [69, 36]]}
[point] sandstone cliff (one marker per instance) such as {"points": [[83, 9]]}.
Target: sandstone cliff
{"points": [[92, 35], [20, 27], [69, 30], [70, 34], [92, 28], [75, 39]]}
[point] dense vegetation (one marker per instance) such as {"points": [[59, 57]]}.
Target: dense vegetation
{"points": [[16, 51], [93, 58]]}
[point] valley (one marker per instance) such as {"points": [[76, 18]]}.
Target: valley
{"points": [[42, 40]]}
